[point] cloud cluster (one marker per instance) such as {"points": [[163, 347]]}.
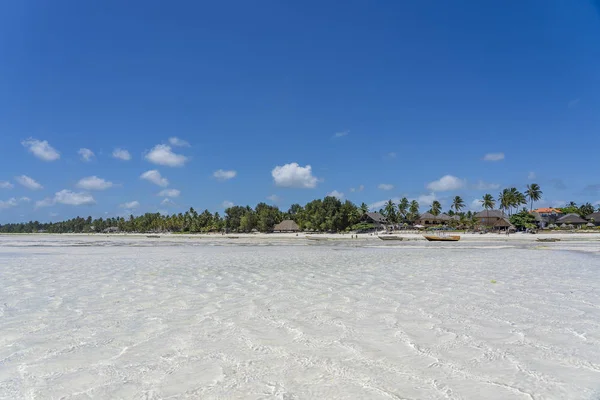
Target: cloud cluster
{"points": [[340, 134], [493, 157], [446, 183], [94, 183], [155, 177], [6, 185], [385, 186], [358, 189], [293, 175], [130, 205], [169, 193], [175, 141], [12, 202], [41, 149], [226, 204], [274, 198], [28, 182], [223, 175], [121, 154], [162, 154], [86, 154], [67, 197]]}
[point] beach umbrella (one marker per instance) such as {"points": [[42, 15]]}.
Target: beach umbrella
{"points": [[589, 224], [563, 226]]}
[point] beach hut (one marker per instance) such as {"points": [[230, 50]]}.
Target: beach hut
{"points": [[286, 226], [489, 217], [503, 223], [375, 218], [594, 218], [428, 219], [572, 219]]}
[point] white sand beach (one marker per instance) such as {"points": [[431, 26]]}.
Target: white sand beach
{"points": [[282, 317]]}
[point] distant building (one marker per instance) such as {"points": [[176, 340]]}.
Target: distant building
{"points": [[546, 216], [489, 218], [375, 218], [428, 219], [112, 229], [286, 226], [571, 219], [594, 218]]}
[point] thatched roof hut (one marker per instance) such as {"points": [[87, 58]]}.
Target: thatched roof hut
{"points": [[503, 223], [286, 226], [572, 219]]}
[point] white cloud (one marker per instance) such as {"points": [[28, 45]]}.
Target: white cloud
{"points": [[41, 149], [446, 183], [340, 134], [155, 177], [336, 194], [274, 198], [130, 205], [73, 198], [224, 175], [12, 202], [531, 175], [169, 193], [86, 154], [94, 183], [67, 197], [493, 157], [385, 186], [167, 202], [227, 204], [481, 185], [121, 154], [6, 185], [28, 182], [175, 141], [425, 200], [358, 189], [53, 214], [476, 205], [47, 202], [293, 175], [25, 199], [161, 154]]}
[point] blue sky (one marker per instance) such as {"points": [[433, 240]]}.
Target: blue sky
{"points": [[380, 99]]}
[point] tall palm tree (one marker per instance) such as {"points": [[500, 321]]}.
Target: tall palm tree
{"points": [[364, 208], [403, 207], [390, 211], [506, 200], [436, 208], [458, 204], [533, 193], [488, 203], [413, 210]]}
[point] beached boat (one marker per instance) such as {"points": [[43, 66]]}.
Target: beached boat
{"points": [[233, 237], [316, 238], [439, 238], [391, 238], [548, 240], [153, 236]]}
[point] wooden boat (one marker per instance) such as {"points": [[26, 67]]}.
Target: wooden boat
{"points": [[436, 238], [233, 237], [391, 238], [153, 236], [548, 240]]}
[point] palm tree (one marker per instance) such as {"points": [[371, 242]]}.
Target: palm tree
{"points": [[413, 210], [364, 208], [488, 203], [390, 211], [458, 204], [533, 193], [403, 207], [506, 200], [436, 208]]}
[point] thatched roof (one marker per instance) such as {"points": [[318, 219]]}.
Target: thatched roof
{"points": [[571, 219], [503, 223], [428, 215], [287, 226], [490, 214], [594, 216], [376, 217]]}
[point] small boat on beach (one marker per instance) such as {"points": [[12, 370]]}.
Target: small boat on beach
{"points": [[547, 240], [440, 238], [316, 238], [153, 236], [233, 237], [390, 237]]}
